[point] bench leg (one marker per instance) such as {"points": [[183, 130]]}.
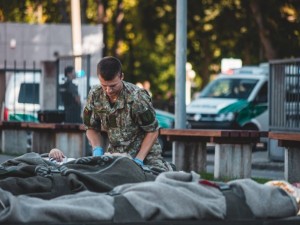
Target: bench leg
{"points": [[190, 156], [233, 161], [42, 141], [15, 142], [292, 165]]}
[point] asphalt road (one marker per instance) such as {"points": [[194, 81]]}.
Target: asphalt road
{"points": [[3, 157]]}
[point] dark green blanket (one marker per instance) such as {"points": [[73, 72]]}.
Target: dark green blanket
{"points": [[32, 175]]}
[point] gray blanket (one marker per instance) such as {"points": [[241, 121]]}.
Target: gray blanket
{"points": [[173, 195], [179, 195]]}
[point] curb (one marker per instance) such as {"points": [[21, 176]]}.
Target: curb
{"points": [[268, 166], [276, 166]]}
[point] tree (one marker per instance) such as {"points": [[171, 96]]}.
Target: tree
{"points": [[142, 33]]}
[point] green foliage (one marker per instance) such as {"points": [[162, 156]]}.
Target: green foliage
{"points": [[209, 176], [142, 33]]}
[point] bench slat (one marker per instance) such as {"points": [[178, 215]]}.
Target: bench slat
{"points": [[285, 136], [194, 132]]}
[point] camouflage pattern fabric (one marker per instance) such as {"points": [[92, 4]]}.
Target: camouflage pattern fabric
{"points": [[126, 122]]}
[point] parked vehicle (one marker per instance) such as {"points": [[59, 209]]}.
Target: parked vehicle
{"points": [[22, 97], [237, 101]]}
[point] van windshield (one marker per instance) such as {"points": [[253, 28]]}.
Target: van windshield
{"points": [[229, 88]]}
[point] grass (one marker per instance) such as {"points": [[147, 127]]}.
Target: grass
{"points": [[210, 176]]}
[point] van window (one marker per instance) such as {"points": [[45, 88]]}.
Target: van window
{"points": [[262, 95], [29, 93], [229, 88]]}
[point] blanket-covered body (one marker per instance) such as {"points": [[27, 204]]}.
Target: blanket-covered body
{"points": [[115, 189], [33, 175]]}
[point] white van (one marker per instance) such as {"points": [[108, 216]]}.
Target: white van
{"points": [[237, 101], [22, 97]]}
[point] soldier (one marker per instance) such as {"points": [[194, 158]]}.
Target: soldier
{"points": [[70, 97], [125, 112]]}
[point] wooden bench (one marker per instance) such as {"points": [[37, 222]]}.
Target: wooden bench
{"points": [[70, 138], [233, 150], [291, 142]]}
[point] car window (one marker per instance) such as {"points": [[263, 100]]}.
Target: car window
{"points": [[262, 95], [29, 93], [229, 88]]}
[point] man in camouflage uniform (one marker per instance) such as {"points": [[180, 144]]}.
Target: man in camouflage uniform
{"points": [[125, 112]]}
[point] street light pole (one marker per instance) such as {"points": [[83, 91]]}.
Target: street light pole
{"points": [[181, 24], [180, 105]]}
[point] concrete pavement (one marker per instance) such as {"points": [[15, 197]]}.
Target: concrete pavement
{"points": [[262, 167], [260, 161], [3, 157]]}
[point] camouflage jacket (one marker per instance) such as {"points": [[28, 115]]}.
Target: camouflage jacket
{"points": [[126, 122]]}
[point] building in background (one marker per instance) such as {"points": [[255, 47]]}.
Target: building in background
{"points": [[27, 43]]}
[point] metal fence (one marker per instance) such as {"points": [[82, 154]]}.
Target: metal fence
{"points": [[284, 95], [20, 88]]}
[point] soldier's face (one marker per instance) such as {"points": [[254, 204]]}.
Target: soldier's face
{"points": [[112, 87], [72, 75]]}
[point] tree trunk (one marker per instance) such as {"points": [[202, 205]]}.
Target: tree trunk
{"points": [[206, 62], [102, 19], [62, 9], [83, 12], [119, 18], [270, 52]]}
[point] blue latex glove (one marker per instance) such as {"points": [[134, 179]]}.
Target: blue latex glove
{"points": [[98, 151], [138, 161]]}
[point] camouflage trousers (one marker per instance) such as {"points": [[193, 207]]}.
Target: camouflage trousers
{"points": [[158, 164]]}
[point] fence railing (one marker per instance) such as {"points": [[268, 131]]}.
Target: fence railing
{"points": [[284, 95]]}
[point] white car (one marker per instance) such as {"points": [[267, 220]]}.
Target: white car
{"points": [[238, 101], [22, 97]]}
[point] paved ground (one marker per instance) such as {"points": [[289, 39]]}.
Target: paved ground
{"points": [[262, 167], [5, 157], [260, 160]]}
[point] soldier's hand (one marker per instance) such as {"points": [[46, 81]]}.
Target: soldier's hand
{"points": [[138, 161]]}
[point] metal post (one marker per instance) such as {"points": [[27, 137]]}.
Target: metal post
{"points": [[181, 24], [180, 106]]}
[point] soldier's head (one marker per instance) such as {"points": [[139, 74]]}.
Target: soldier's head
{"points": [[69, 72], [109, 71], [109, 67]]}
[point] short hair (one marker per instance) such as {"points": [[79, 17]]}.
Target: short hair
{"points": [[68, 70], [109, 67]]}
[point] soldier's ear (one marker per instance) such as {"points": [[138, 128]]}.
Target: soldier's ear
{"points": [[122, 76]]}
